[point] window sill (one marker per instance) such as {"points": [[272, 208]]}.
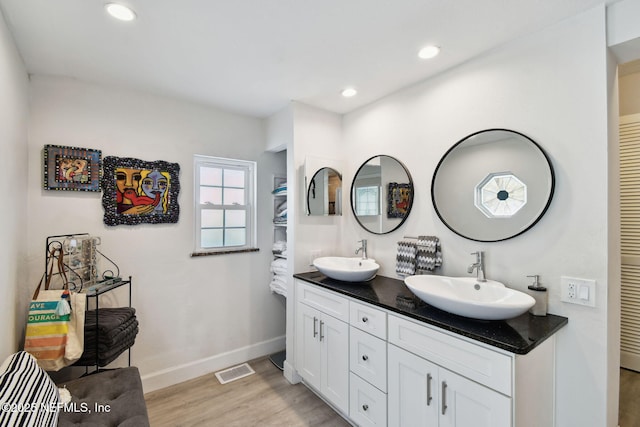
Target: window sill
{"points": [[225, 252]]}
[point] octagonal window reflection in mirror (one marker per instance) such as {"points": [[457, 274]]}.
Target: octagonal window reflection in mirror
{"points": [[500, 195], [492, 185]]}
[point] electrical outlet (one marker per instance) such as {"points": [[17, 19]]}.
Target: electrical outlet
{"points": [[578, 291], [571, 290]]}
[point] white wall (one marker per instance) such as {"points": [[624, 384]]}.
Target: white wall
{"points": [[317, 134], [196, 314], [14, 112], [551, 86]]}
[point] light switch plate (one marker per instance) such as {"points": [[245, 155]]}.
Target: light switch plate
{"points": [[578, 291]]}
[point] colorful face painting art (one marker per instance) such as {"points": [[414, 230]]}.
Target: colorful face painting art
{"points": [[72, 168], [398, 199], [137, 191]]}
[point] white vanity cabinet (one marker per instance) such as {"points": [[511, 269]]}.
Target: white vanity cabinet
{"points": [[438, 379], [423, 394], [322, 343], [381, 368]]}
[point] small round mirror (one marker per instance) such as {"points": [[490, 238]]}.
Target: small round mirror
{"points": [[492, 185], [381, 194], [324, 193]]}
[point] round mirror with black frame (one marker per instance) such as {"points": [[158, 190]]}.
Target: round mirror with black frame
{"points": [[324, 193], [493, 185], [382, 194]]}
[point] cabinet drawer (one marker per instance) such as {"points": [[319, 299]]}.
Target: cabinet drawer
{"points": [[368, 357], [368, 405], [327, 302], [477, 363], [368, 319]]}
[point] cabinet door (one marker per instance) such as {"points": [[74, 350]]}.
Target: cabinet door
{"points": [[464, 403], [412, 390], [308, 355], [334, 339]]}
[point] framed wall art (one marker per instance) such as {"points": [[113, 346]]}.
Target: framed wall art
{"points": [[71, 168], [398, 199], [139, 192]]}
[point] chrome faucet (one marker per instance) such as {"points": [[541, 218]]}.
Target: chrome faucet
{"points": [[362, 248], [478, 266]]}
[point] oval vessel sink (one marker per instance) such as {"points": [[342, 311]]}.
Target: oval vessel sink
{"points": [[347, 269], [466, 296]]}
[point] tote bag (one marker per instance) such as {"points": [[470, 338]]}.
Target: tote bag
{"points": [[54, 336]]}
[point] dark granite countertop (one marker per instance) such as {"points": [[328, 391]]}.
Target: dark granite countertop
{"points": [[519, 335]]}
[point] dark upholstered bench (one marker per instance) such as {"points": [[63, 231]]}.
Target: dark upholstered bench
{"points": [[108, 398], [28, 397]]}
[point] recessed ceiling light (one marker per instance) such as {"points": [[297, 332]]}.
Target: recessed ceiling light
{"points": [[120, 11], [349, 92], [428, 52]]}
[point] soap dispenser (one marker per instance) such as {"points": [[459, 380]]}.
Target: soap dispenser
{"points": [[539, 293]]}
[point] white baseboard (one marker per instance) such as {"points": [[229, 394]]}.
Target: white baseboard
{"points": [[177, 374]]}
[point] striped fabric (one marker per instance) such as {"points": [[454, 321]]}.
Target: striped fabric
{"points": [[28, 397], [406, 257], [46, 335]]}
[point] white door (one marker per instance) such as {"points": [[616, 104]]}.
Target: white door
{"points": [[630, 241], [334, 340], [464, 403], [308, 354], [412, 390]]}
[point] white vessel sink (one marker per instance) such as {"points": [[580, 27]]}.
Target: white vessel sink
{"points": [[347, 269], [468, 297]]}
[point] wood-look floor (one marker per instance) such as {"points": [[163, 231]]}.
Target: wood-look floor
{"points": [[629, 415], [265, 398]]}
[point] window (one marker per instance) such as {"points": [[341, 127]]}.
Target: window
{"points": [[225, 204], [368, 200]]}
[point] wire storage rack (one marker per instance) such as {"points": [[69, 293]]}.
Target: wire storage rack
{"points": [[81, 272]]}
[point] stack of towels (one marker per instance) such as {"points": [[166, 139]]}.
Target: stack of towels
{"points": [[281, 189], [281, 213], [279, 280], [279, 248], [115, 332], [418, 255]]}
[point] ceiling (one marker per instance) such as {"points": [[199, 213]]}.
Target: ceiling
{"points": [[255, 56]]}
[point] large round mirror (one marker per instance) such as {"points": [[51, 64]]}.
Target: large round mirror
{"points": [[492, 185], [381, 194], [324, 193]]}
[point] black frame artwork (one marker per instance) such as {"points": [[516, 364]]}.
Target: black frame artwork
{"points": [[140, 192]]}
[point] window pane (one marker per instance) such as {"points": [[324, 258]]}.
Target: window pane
{"points": [[210, 195], [210, 176], [233, 196], [235, 218], [225, 203], [235, 236], [367, 201], [211, 238], [211, 218], [233, 178]]}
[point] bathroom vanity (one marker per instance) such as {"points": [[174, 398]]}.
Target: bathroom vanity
{"points": [[382, 357]]}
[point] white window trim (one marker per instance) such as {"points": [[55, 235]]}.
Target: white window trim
{"points": [[251, 237]]}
